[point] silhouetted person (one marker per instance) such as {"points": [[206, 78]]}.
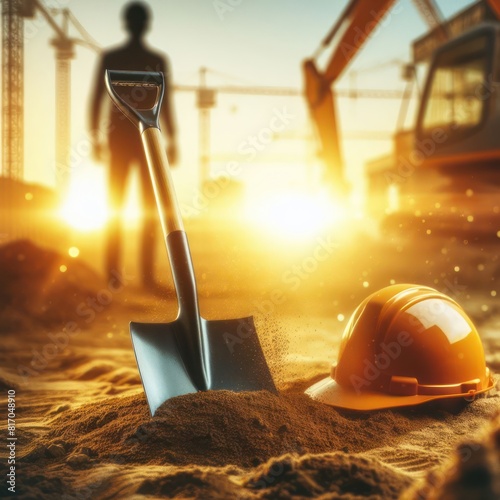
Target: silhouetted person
{"points": [[124, 142]]}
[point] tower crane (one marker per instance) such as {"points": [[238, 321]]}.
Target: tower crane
{"points": [[207, 99], [13, 14]]}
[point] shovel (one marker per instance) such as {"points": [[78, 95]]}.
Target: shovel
{"points": [[191, 353]]}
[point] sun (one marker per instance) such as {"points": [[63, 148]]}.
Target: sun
{"points": [[85, 207], [294, 214]]}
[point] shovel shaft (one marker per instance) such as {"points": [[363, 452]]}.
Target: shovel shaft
{"points": [[168, 208], [191, 338]]}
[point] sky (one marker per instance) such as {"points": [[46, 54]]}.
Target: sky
{"points": [[253, 42]]}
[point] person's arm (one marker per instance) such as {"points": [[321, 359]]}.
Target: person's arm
{"points": [[96, 102], [168, 115]]}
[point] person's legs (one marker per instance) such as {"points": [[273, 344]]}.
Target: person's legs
{"points": [[118, 172]]}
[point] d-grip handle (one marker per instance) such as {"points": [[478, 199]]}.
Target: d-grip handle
{"points": [[147, 121], [137, 80]]}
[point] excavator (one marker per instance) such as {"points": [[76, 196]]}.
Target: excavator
{"points": [[445, 169]]}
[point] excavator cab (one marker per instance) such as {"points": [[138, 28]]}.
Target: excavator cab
{"points": [[445, 171], [455, 156]]}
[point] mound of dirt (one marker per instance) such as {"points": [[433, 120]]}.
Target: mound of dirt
{"points": [[218, 428], [220, 444], [337, 475], [329, 473], [43, 288]]}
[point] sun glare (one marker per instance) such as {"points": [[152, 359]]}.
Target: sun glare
{"points": [[132, 209], [294, 214], [86, 208]]}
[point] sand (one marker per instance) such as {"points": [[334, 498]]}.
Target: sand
{"points": [[84, 429], [35, 292], [472, 470], [261, 439]]}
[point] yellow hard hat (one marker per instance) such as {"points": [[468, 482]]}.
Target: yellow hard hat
{"points": [[405, 345]]}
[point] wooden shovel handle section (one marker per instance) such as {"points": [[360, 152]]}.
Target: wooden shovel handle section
{"points": [[168, 208]]}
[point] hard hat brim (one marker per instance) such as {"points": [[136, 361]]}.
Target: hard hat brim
{"points": [[329, 392]]}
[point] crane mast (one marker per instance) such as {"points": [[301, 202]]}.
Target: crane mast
{"points": [[13, 14], [64, 53]]}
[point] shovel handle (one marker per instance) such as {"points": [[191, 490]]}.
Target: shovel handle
{"points": [[168, 208], [147, 121], [137, 82]]}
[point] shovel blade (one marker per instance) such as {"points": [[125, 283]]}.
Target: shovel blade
{"points": [[234, 359]]}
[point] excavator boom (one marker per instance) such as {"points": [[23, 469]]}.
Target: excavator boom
{"points": [[353, 28], [348, 35], [355, 25]]}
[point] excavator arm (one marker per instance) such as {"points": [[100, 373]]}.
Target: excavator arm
{"points": [[495, 7], [356, 23], [348, 35]]}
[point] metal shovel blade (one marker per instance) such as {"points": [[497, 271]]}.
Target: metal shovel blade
{"points": [[235, 360]]}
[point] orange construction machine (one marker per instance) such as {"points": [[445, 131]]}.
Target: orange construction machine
{"points": [[445, 169]]}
